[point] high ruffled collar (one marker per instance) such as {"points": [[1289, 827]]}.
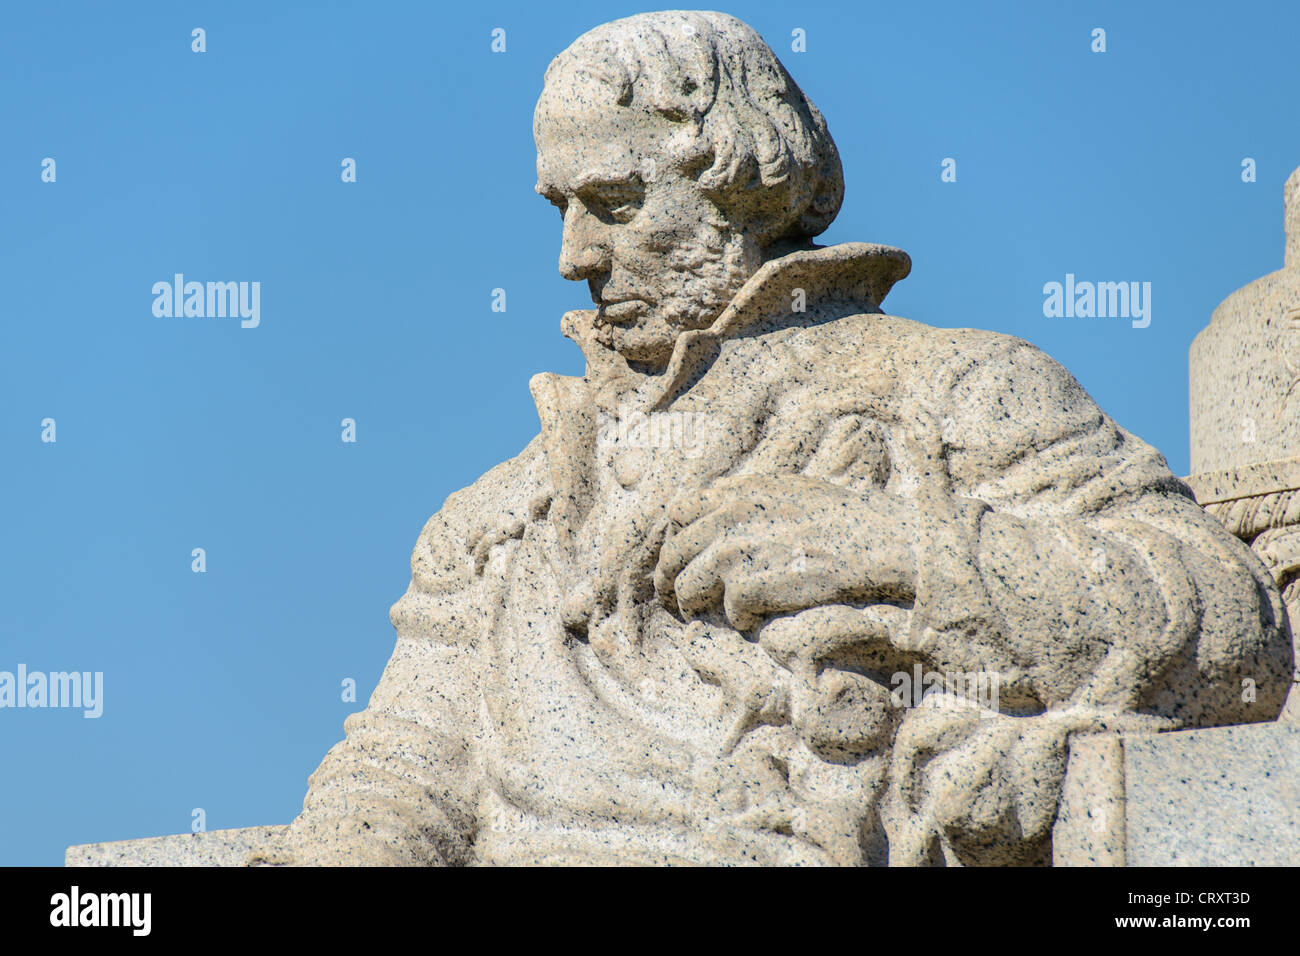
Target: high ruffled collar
{"points": [[844, 279]]}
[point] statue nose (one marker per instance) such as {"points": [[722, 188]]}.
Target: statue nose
{"points": [[583, 251]]}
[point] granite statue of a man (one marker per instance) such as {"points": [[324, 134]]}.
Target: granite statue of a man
{"points": [[672, 630]]}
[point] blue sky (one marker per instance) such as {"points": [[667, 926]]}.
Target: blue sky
{"points": [[222, 689]]}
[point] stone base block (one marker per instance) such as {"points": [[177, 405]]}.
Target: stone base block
{"points": [[212, 848], [1228, 796]]}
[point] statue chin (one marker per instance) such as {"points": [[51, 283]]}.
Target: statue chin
{"points": [[647, 345]]}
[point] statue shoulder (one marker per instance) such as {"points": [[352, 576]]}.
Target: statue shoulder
{"points": [[993, 388], [916, 351], [508, 493], [953, 359], [513, 479]]}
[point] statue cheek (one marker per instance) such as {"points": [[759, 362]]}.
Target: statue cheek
{"points": [[668, 223], [632, 252], [649, 243]]}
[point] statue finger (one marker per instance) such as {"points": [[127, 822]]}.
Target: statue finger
{"points": [[699, 587], [681, 548]]}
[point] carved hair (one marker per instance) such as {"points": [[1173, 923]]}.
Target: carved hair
{"points": [[770, 160]]}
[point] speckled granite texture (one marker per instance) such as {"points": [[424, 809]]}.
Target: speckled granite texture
{"points": [[211, 848], [1246, 482], [672, 629], [1229, 796]]}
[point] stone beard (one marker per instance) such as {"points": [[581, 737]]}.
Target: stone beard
{"points": [[665, 632]]}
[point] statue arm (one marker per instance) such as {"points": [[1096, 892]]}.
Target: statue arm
{"points": [[1101, 576], [399, 788], [1060, 547], [402, 787]]}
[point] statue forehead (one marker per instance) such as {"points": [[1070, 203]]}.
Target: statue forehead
{"points": [[582, 133]]}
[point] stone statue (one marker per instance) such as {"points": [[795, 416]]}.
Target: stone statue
{"points": [[674, 628]]}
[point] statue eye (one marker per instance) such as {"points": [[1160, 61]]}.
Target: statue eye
{"points": [[626, 212], [614, 202]]}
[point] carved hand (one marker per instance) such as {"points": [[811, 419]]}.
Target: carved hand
{"points": [[753, 547]]}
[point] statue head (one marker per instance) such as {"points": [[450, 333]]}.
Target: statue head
{"points": [[681, 156]]}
